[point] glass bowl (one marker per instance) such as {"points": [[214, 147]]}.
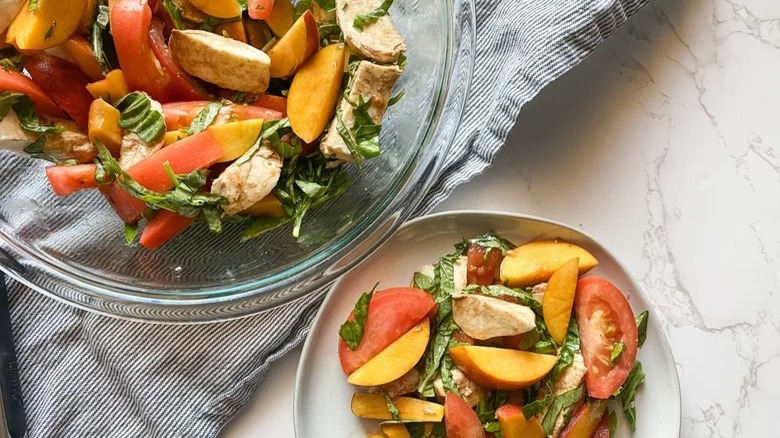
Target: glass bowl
{"points": [[73, 248]]}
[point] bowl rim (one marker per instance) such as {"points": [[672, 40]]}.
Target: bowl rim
{"points": [[321, 268], [306, 349]]}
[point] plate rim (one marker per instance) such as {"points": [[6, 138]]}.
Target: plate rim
{"points": [[297, 396]]}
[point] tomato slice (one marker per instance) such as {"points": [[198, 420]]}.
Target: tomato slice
{"points": [[12, 80], [602, 430], [182, 85], [130, 27], [460, 420], [605, 319], [270, 101], [66, 180], [391, 313], [164, 226], [481, 269], [64, 82], [180, 114]]}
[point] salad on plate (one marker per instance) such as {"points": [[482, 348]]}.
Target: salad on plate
{"points": [[496, 340], [183, 111]]}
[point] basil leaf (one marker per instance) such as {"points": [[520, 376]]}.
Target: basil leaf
{"points": [[395, 99], [641, 325], [102, 42], [445, 371], [205, 118], [394, 413], [174, 12], [612, 423], [185, 199], [538, 406], [138, 116], [627, 393], [617, 351], [33, 5], [28, 120], [352, 331], [330, 32], [7, 101], [424, 282], [363, 20], [563, 401], [269, 129], [50, 32], [11, 59], [492, 426], [131, 231], [301, 7], [491, 240], [570, 348], [260, 225], [327, 5], [362, 139]]}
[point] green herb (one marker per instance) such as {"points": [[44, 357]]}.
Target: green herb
{"points": [[33, 5], [243, 4], [538, 405], [131, 231], [7, 101], [563, 401], [11, 59], [50, 32], [205, 118], [492, 426], [445, 371], [491, 240], [627, 393], [424, 282], [401, 61], [617, 351], [211, 22], [612, 423], [352, 331], [327, 5], [269, 129], [29, 121], [487, 405], [185, 199], [102, 42], [363, 20], [362, 139], [641, 325], [391, 408], [301, 7], [138, 116], [395, 99], [417, 430], [330, 32], [175, 13]]}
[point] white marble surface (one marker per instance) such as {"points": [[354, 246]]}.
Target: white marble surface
{"points": [[664, 146]]}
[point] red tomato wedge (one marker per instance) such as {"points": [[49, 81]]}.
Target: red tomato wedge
{"points": [[182, 85], [130, 26], [482, 270], [602, 430], [605, 319], [64, 82], [12, 80], [260, 9], [270, 101], [460, 420], [164, 226], [66, 180], [391, 313], [188, 155], [180, 114]]}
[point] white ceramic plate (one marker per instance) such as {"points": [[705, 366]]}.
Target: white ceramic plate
{"points": [[322, 394]]}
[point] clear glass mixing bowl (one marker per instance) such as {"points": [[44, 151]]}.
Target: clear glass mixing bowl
{"points": [[73, 248]]}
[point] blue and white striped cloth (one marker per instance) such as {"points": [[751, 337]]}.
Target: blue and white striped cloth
{"points": [[85, 375]]}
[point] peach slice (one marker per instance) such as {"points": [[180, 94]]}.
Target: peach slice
{"points": [[218, 8], [559, 299], [47, 25], [514, 424], [586, 420], [395, 360], [535, 262], [282, 17], [374, 407], [236, 137], [270, 206], [395, 430], [501, 368], [295, 47], [315, 91]]}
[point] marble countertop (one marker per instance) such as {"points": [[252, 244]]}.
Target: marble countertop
{"points": [[664, 146]]}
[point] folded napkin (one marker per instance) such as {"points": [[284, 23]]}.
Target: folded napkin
{"points": [[85, 375]]}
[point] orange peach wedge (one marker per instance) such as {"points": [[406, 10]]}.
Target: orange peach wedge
{"points": [[535, 262], [270, 206], [315, 91], [218, 8], [295, 47], [501, 368], [235, 138], [282, 17], [374, 407], [395, 430], [47, 25], [559, 299], [395, 360], [514, 424]]}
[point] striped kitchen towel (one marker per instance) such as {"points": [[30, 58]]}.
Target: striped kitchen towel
{"points": [[85, 375]]}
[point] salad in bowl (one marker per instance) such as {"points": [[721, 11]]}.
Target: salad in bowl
{"points": [[496, 340], [184, 111]]}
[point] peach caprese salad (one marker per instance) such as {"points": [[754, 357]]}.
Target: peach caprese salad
{"points": [[193, 110], [496, 341]]}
